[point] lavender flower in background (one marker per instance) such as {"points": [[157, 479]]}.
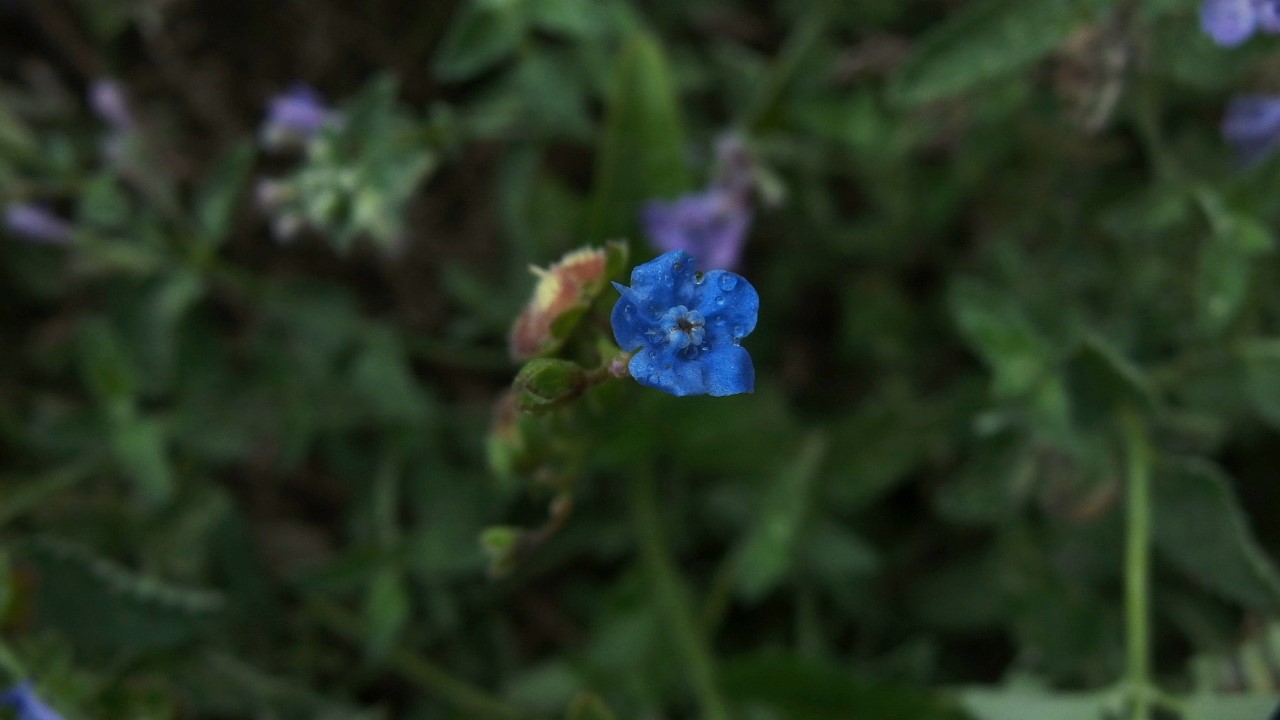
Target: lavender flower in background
{"points": [[294, 117], [1251, 126], [106, 97], [1231, 22], [710, 225], [26, 705], [36, 224]]}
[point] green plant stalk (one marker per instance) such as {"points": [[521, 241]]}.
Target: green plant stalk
{"points": [[673, 602], [426, 675], [1137, 567]]}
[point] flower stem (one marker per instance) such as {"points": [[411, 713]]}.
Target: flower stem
{"points": [[673, 601], [430, 677], [1137, 567]]}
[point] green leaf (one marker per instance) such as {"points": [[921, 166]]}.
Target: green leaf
{"points": [[998, 330], [1262, 370], [641, 154], [769, 550], [103, 204], [1230, 707], [386, 612], [484, 33], [1226, 265], [105, 608], [1020, 704], [383, 377], [577, 18], [984, 41], [1104, 382], [106, 367], [1201, 529], [216, 202], [140, 448]]}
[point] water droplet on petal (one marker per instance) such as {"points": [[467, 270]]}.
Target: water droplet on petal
{"points": [[698, 278], [728, 282], [720, 300], [737, 332]]}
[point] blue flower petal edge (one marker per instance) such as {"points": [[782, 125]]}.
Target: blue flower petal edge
{"points": [[26, 704], [684, 328]]}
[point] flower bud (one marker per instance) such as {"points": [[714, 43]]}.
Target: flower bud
{"points": [[564, 292], [545, 383]]}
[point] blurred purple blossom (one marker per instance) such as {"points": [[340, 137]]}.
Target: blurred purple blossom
{"points": [[710, 225], [106, 97], [294, 116], [735, 165], [1251, 125], [26, 704], [36, 224], [1231, 22]]}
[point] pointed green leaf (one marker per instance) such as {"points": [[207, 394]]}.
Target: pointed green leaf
{"points": [[216, 203], [1019, 704], [983, 41], [1201, 529], [482, 34], [641, 154]]}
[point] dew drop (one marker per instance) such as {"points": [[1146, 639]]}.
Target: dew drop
{"points": [[720, 300], [737, 332], [653, 377], [728, 282], [698, 278]]}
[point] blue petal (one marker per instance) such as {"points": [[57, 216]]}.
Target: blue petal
{"points": [[728, 371], [629, 321], [668, 373], [1268, 15], [1252, 125], [1228, 22], [664, 282], [729, 304], [28, 706]]}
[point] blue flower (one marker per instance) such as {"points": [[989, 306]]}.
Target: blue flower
{"points": [[22, 698], [1231, 22], [684, 327], [294, 117], [710, 225], [1252, 126], [34, 223]]}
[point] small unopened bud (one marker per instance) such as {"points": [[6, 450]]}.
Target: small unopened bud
{"points": [[545, 383], [563, 293]]}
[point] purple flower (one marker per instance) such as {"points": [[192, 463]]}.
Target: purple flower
{"points": [[1252, 126], [22, 698], [106, 97], [1231, 22], [294, 116], [36, 224], [735, 165], [710, 225]]}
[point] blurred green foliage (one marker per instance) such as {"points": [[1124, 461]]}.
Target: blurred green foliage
{"points": [[243, 478]]}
